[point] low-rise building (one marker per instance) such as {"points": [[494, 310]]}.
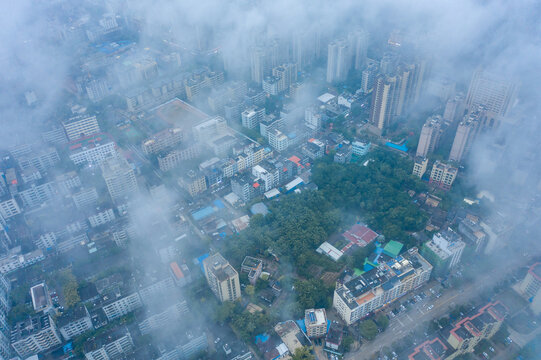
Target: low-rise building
{"points": [[253, 267], [315, 321], [163, 317], [419, 166], [434, 349], [115, 344], [193, 181], [444, 251], [292, 335], [162, 141], [442, 175], [34, 335], [530, 287], [74, 322], [117, 307], [472, 231]]}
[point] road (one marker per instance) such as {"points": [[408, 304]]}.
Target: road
{"points": [[410, 320]]}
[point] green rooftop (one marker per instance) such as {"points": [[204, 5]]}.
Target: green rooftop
{"points": [[393, 248]]}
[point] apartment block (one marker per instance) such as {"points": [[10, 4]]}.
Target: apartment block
{"points": [[161, 141], [81, 126], [356, 296], [419, 166], [222, 278], [74, 322], [34, 335], [315, 321], [442, 175], [116, 344]]}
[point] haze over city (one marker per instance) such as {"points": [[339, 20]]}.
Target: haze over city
{"points": [[240, 180]]}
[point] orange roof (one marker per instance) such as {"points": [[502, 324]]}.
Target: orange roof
{"points": [[311, 140], [365, 298], [295, 159], [176, 270], [256, 185]]}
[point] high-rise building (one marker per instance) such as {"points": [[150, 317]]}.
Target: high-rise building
{"points": [[358, 43], [383, 105], [222, 278], [491, 91], [338, 61], [5, 289], [467, 132], [454, 108], [81, 126], [442, 175], [252, 116], [430, 135], [119, 178], [368, 76], [258, 64], [419, 166], [356, 296], [286, 75]]}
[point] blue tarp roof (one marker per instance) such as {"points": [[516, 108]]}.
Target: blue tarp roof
{"points": [[219, 204], [203, 213], [200, 261], [402, 147], [262, 338]]}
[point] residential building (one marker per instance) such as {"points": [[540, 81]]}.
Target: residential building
{"points": [[193, 181], [86, 197], [333, 339], [115, 344], [269, 123], [15, 260], [34, 335], [92, 150], [368, 78], [434, 349], [119, 177], [222, 278], [442, 175], [101, 217], [41, 300], [81, 126], [356, 296], [468, 332], [292, 335], [41, 159], [454, 108], [359, 148], [315, 321], [497, 95], [313, 118], [259, 64], [382, 109], [271, 85], [530, 287], [5, 289], [38, 193], [162, 141], [338, 61], [202, 79], [156, 289], [278, 140], [188, 343], [358, 43], [9, 207], [173, 159], [472, 231], [343, 154], [252, 116], [253, 267], [117, 307], [314, 149], [74, 322], [444, 251], [430, 136], [419, 166], [160, 319], [286, 74]]}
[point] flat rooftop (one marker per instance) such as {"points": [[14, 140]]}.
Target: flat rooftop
{"points": [[177, 113]]}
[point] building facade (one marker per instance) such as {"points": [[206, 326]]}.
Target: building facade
{"points": [[222, 278]]}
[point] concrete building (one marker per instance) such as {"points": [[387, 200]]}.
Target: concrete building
{"points": [[434, 349], [356, 296], [42, 159], [454, 108], [383, 101], [222, 278], [163, 318], [115, 344], [34, 335], [358, 43], [278, 140], [173, 159], [5, 289], [259, 64], [193, 182], [292, 335], [38, 193], [86, 197], [252, 116], [315, 321], [468, 332], [497, 95], [269, 123], [115, 308], [271, 85], [430, 136], [162, 140], [9, 207], [119, 177], [286, 74], [368, 77], [92, 150], [472, 231], [338, 61], [444, 251], [81, 126], [419, 166], [253, 267], [314, 149], [530, 287], [442, 175], [101, 217], [74, 322], [41, 300], [200, 80]]}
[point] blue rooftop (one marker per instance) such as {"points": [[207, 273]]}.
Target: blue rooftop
{"points": [[402, 147], [203, 213]]}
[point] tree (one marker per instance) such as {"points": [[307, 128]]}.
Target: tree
{"points": [[303, 353], [347, 342], [250, 290], [368, 329], [383, 321]]}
